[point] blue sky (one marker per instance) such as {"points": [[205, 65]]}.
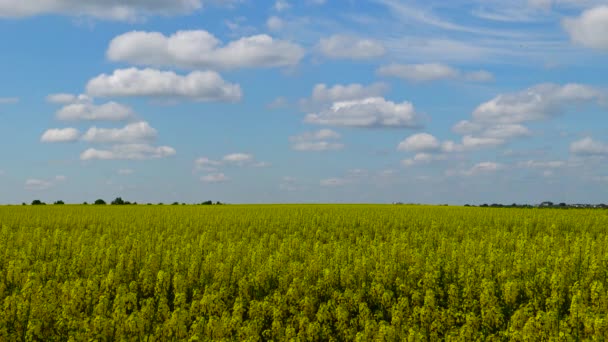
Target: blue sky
{"points": [[476, 101]]}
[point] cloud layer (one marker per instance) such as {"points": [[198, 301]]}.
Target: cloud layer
{"points": [[203, 86], [200, 49]]}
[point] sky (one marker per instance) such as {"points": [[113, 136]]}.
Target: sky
{"points": [[309, 101]]}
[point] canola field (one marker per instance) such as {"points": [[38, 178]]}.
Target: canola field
{"points": [[302, 273]]}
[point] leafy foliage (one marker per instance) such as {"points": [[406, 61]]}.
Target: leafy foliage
{"points": [[309, 273]]}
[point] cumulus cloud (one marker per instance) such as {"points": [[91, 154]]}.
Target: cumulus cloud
{"points": [[131, 133], [275, 23], [57, 135], [110, 111], [431, 72], [590, 29], [233, 159], [422, 158], [419, 143], [197, 86], [200, 49], [34, 184], [132, 10], [128, 152], [321, 93], [65, 98], [501, 119], [324, 95], [536, 103], [278, 103], [316, 141], [206, 164], [9, 100], [281, 5], [483, 168], [589, 147], [368, 112], [535, 164], [215, 178], [238, 158], [350, 47]]}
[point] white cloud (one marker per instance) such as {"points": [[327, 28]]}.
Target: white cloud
{"points": [[60, 135], [421, 158], [321, 93], [536, 103], [499, 120], [275, 23], [369, 112], [316, 141], [278, 103], [479, 76], [432, 72], [281, 5], [419, 72], [64, 98], [200, 49], [238, 158], [197, 86], [471, 142], [215, 178], [484, 167], [534, 164], [131, 133], [125, 172], [589, 147], [590, 29], [128, 152], [34, 184], [334, 182], [110, 111], [419, 143], [9, 100], [350, 47], [233, 159], [132, 10], [206, 164]]}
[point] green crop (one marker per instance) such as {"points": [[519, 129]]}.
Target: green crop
{"points": [[302, 273]]}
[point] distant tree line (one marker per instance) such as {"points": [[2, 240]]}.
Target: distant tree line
{"points": [[546, 204], [120, 201]]}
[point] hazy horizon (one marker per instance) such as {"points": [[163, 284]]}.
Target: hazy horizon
{"points": [[313, 101]]}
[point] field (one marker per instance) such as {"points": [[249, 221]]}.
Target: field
{"points": [[303, 273]]}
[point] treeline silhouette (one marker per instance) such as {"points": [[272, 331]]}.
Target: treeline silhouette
{"points": [[120, 201]]}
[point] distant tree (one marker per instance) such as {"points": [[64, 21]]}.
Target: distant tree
{"points": [[149, 204], [38, 202], [218, 203], [160, 203], [562, 204], [117, 201], [485, 205], [175, 203], [85, 203], [207, 203], [23, 203], [60, 202], [100, 202]]}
